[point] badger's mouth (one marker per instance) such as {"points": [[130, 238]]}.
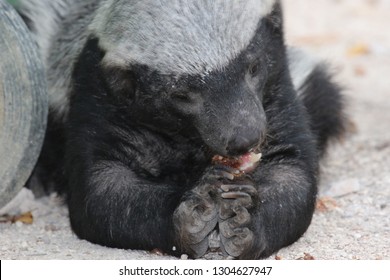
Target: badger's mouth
{"points": [[244, 163]]}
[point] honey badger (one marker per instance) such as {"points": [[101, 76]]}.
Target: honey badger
{"points": [[144, 93]]}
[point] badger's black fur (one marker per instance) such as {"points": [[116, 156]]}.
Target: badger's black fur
{"points": [[131, 137]]}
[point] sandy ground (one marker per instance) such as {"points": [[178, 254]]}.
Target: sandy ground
{"points": [[353, 218]]}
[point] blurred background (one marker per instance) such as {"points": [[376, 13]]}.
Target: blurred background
{"points": [[352, 220], [354, 35]]}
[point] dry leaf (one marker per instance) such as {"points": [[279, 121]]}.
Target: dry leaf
{"points": [[157, 252], [360, 49], [25, 218], [326, 204], [306, 257], [351, 127], [316, 40], [360, 71]]}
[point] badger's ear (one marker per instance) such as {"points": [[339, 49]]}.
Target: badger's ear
{"points": [[120, 83], [275, 18]]}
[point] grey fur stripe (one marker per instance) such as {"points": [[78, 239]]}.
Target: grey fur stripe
{"points": [[301, 65], [177, 36]]}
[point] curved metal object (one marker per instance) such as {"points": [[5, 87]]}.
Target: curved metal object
{"points": [[23, 103]]}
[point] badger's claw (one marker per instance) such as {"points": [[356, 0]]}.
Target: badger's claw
{"points": [[234, 218], [233, 196], [222, 172], [197, 216]]}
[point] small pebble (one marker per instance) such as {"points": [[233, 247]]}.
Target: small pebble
{"points": [[18, 224], [24, 245], [357, 235]]}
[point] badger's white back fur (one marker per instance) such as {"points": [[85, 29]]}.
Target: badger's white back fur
{"points": [[176, 36], [301, 65]]}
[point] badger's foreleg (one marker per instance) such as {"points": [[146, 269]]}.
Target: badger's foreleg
{"points": [[276, 206]]}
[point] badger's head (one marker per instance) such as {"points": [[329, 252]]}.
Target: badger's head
{"points": [[194, 66]]}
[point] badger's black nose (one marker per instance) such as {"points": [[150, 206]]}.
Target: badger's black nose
{"points": [[241, 143]]}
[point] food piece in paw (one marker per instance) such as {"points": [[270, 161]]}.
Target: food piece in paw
{"points": [[244, 163], [226, 161], [249, 161]]}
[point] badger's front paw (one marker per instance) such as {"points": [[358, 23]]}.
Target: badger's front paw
{"points": [[194, 219], [234, 218], [197, 216]]}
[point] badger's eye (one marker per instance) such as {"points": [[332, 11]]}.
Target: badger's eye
{"points": [[254, 68], [120, 83], [180, 96]]}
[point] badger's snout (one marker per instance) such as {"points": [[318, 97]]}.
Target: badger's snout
{"points": [[234, 128], [246, 127], [236, 133], [244, 140]]}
